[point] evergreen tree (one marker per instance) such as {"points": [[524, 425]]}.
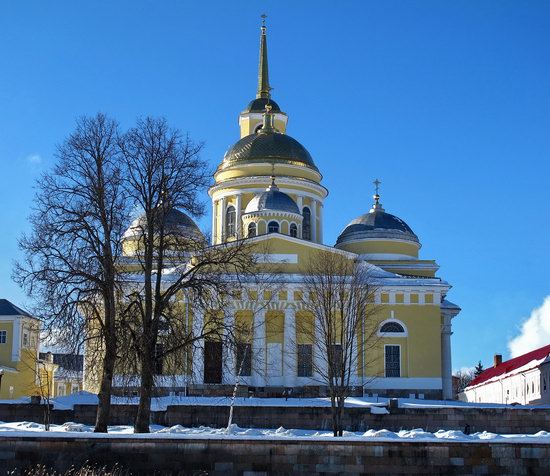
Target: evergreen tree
{"points": [[478, 369]]}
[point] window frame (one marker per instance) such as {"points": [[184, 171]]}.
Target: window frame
{"points": [[304, 368], [3, 336], [405, 332], [252, 225], [306, 224], [230, 222], [386, 346], [291, 228]]}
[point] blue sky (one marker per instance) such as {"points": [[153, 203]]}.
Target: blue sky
{"points": [[448, 103]]}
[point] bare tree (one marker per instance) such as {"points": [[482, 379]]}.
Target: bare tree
{"points": [[70, 257], [45, 378], [464, 376], [338, 294], [166, 174]]}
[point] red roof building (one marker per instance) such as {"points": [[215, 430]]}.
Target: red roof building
{"points": [[522, 380]]}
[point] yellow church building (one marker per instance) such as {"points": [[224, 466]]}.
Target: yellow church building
{"points": [[268, 190]]}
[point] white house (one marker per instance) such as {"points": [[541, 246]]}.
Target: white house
{"points": [[523, 380]]}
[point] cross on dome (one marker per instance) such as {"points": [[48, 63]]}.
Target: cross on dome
{"points": [[377, 205]]}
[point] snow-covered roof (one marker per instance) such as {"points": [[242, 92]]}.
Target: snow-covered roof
{"points": [[522, 363]]}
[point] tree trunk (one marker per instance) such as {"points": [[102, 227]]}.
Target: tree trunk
{"points": [[109, 359], [105, 390], [143, 417], [341, 403]]}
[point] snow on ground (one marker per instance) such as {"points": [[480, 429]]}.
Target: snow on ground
{"points": [[160, 403], [78, 430]]}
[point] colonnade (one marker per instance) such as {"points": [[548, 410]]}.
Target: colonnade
{"points": [[220, 205]]}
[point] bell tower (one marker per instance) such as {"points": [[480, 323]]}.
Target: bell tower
{"points": [[250, 120], [265, 150]]}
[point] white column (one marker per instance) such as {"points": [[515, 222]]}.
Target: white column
{"points": [[221, 211], [314, 221], [16, 340], [198, 351], [238, 224], [446, 362], [290, 349], [300, 202], [320, 229], [229, 352], [213, 238], [258, 350]]}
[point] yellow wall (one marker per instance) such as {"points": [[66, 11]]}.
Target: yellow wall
{"points": [[420, 350], [5, 349], [367, 247]]}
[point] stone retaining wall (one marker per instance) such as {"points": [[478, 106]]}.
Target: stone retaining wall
{"points": [[262, 457], [497, 420]]}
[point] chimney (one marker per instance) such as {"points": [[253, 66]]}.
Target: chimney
{"points": [[498, 359]]}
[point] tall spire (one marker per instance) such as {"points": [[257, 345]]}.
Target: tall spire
{"points": [[263, 71]]}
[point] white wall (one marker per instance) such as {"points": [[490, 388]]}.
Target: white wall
{"points": [[524, 388]]}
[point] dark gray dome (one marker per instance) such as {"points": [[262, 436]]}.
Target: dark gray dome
{"points": [[175, 222], [272, 199], [377, 224], [259, 104], [177, 219], [268, 146]]}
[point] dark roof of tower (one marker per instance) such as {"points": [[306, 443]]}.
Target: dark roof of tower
{"points": [[9, 309], [258, 105], [175, 222], [268, 147], [377, 224]]}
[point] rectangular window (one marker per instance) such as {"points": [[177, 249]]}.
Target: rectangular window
{"points": [[244, 360], [74, 388], [336, 359], [159, 358], [3, 337], [305, 360], [61, 390], [392, 360], [25, 339]]}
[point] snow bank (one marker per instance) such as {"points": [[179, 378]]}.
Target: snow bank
{"points": [[77, 430]]}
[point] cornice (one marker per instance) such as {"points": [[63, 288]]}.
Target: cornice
{"points": [[264, 179]]}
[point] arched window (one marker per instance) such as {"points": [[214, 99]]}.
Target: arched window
{"points": [[230, 218], [293, 230], [251, 230], [306, 224], [392, 327], [273, 227]]}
